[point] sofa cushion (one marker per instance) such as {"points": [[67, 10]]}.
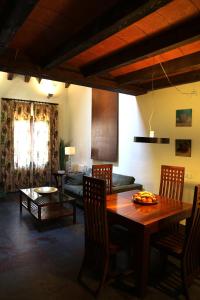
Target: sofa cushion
{"points": [[74, 178], [74, 189], [128, 187], [118, 179]]}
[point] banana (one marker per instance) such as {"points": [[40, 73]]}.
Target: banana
{"points": [[145, 194]]}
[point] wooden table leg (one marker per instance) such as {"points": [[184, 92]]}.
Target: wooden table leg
{"points": [[142, 262]]}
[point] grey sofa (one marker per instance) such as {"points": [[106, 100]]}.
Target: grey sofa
{"points": [[73, 184]]}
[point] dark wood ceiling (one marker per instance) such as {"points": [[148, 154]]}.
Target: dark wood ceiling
{"points": [[121, 45]]}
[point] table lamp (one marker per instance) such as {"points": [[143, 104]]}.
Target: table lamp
{"points": [[70, 151]]}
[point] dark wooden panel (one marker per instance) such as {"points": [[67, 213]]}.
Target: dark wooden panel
{"points": [[104, 125]]}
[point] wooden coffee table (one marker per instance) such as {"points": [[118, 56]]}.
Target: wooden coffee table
{"points": [[50, 206]]}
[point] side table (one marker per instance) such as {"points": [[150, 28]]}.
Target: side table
{"points": [[59, 180]]}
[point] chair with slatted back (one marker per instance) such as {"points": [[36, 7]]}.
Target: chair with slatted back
{"points": [[104, 171], [99, 249], [172, 182], [171, 186], [184, 246]]}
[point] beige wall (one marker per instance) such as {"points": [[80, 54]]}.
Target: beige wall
{"points": [[79, 107], [142, 160], [149, 157]]}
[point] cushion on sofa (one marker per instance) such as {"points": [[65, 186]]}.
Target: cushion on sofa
{"points": [[74, 178], [128, 187], [74, 189], [118, 179]]}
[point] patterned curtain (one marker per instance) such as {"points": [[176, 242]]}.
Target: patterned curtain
{"points": [[24, 160], [22, 145], [48, 114], [7, 146], [54, 138]]}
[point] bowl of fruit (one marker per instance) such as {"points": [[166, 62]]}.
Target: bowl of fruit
{"points": [[145, 198]]}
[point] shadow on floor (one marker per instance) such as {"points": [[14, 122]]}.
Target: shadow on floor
{"points": [[45, 264]]}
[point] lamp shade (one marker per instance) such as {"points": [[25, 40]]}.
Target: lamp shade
{"points": [[70, 150]]}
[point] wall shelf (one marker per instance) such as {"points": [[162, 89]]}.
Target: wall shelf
{"points": [[154, 140]]}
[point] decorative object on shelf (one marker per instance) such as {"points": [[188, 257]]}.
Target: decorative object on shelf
{"points": [[69, 151], [184, 117], [183, 147]]}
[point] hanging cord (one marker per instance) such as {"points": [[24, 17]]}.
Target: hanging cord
{"points": [[178, 90]]}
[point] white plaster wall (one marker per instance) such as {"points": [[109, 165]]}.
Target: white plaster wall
{"points": [[143, 161], [79, 106], [32, 90]]}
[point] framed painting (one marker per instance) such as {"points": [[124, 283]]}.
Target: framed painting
{"points": [[184, 117], [183, 147]]}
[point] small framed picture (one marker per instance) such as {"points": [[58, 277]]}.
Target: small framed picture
{"points": [[183, 147], [184, 117]]}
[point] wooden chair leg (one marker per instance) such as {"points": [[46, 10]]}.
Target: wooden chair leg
{"points": [[81, 269], [186, 292], [163, 262], [103, 278], [184, 285]]}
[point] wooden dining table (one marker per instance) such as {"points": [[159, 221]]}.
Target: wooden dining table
{"points": [[143, 221]]}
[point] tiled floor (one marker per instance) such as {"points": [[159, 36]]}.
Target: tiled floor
{"points": [[44, 265]]}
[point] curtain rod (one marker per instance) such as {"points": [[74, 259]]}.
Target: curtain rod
{"points": [[29, 101]]}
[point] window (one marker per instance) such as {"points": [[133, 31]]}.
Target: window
{"points": [[40, 143], [30, 143], [22, 144]]}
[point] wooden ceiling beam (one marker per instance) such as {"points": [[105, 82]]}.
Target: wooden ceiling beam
{"points": [[67, 85], [13, 16], [118, 17], [22, 66], [27, 78], [10, 76], [179, 65], [179, 79], [172, 38]]}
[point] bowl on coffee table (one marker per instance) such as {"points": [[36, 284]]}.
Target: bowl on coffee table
{"points": [[45, 190]]}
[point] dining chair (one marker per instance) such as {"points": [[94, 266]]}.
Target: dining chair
{"points": [[184, 247], [171, 186], [172, 182], [100, 249], [104, 171]]}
